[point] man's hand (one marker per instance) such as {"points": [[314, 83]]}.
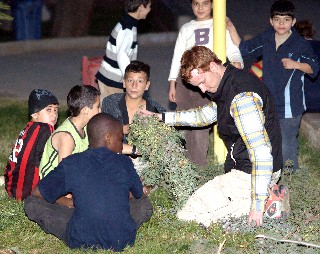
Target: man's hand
{"points": [[145, 112], [255, 217]]}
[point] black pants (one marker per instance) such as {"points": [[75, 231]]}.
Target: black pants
{"points": [[54, 219]]}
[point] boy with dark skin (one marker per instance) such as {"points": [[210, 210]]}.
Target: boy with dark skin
{"points": [[100, 180]]}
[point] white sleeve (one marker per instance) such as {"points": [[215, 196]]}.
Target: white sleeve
{"points": [[124, 43], [196, 117], [232, 51], [179, 49]]}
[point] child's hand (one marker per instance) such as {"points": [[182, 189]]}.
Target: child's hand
{"points": [[125, 129], [147, 190], [172, 91], [289, 64], [229, 24], [172, 94]]}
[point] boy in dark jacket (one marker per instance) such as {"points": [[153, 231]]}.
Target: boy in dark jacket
{"points": [[287, 57]]}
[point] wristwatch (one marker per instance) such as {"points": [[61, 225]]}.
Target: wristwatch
{"points": [[134, 150]]}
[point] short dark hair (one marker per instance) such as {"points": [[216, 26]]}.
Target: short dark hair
{"points": [[99, 126], [133, 5], [136, 67], [282, 8], [192, 1], [198, 57], [81, 96], [305, 28]]}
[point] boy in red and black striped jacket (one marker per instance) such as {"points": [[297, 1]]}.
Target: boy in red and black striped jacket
{"points": [[22, 171]]}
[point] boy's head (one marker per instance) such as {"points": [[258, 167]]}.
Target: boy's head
{"points": [[282, 8], [282, 16], [136, 79], [105, 131], [140, 7], [81, 97], [202, 9], [43, 106]]}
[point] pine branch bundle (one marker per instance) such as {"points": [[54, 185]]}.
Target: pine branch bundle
{"points": [[163, 152]]}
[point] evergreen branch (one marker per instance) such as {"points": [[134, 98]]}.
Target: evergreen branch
{"points": [[288, 241]]}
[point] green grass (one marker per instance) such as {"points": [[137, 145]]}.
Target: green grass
{"points": [[164, 233]]}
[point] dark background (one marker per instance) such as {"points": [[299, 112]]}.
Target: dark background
{"points": [[73, 18]]}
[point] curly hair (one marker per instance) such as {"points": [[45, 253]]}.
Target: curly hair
{"points": [[198, 57]]}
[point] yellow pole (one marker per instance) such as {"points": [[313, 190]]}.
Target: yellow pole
{"points": [[219, 48]]}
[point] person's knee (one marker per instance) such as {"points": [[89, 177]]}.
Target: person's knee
{"points": [[141, 209], [30, 206]]}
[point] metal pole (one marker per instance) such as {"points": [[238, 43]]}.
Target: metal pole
{"points": [[219, 48]]}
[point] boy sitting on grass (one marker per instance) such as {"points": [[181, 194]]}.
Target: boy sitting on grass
{"points": [[71, 136], [100, 180], [22, 171], [123, 106]]}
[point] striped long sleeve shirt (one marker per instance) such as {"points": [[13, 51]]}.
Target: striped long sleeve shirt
{"points": [[249, 118]]}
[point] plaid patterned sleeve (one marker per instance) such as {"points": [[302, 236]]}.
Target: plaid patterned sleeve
{"points": [[196, 117], [246, 109]]}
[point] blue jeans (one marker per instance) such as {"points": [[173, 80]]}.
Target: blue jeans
{"points": [[289, 131], [27, 19]]}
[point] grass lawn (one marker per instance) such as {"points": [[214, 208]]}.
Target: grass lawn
{"points": [[164, 233]]}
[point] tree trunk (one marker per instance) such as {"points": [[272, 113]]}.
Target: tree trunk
{"points": [[72, 18]]}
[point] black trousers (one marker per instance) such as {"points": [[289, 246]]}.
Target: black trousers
{"points": [[53, 219]]}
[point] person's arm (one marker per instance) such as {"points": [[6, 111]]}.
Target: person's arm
{"points": [[308, 62], [197, 117], [233, 32], [290, 64], [44, 134], [251, 128], [124, 43], [129, 149], [179, 49], [172, 90], [61, 201], [52, 188], [136, 188], [63, 142], [233, 52]]}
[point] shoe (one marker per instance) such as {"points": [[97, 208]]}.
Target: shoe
{"points": [[277, 205]]}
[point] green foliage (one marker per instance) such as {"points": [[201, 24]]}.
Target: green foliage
{"points": [[4, 16], [164, 155], [164, 233]]}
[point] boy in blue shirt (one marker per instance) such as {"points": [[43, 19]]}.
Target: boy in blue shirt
{"points": [[287, 57], [100, 180]]}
